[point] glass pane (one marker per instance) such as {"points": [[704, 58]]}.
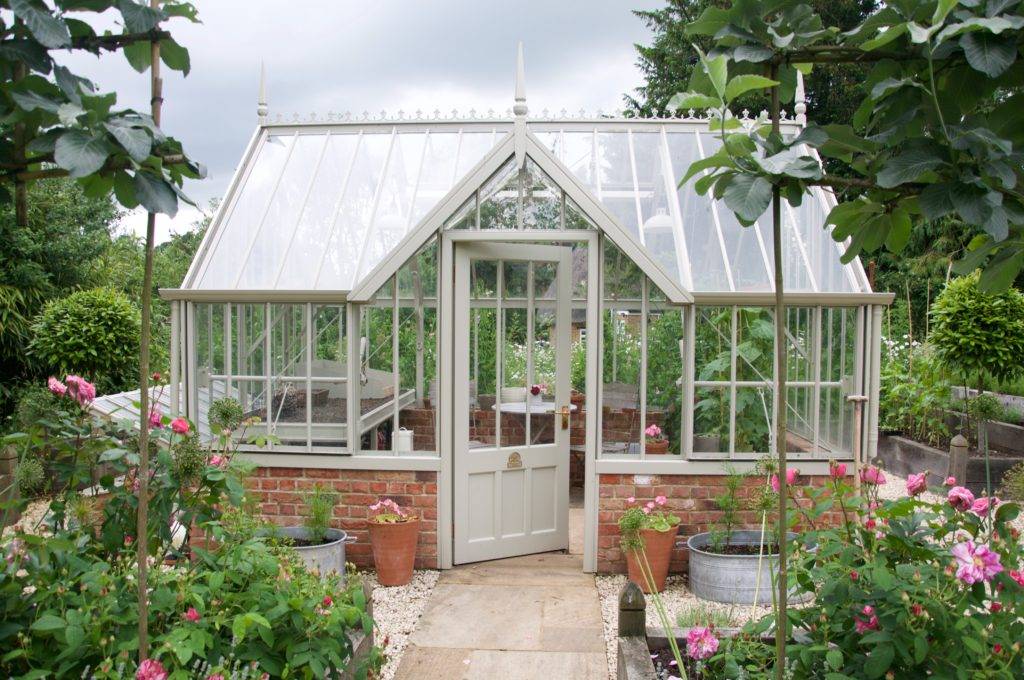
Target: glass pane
{"points": [[514, 379], [542, 199], [499, 199], [753, 419], [349, 231], [545, 357], [317, 220], [664, 371], [707, 265], [713, 349], [329, 414], [249, 340], [755, 344], [288, 340], [800, 344], [657, 232], [287, 416], [711, 420], [223, 264], [620, 397], [615, 179], [473, 146], [483, 340], [800, 420], [261, 256], [437, 176]]}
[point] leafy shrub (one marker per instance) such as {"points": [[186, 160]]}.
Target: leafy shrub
{"points": [[94, 333], [914, 392], [976, 333]]}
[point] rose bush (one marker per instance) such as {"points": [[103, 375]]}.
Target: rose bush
{"points": [[68, 599], [902, 588]]}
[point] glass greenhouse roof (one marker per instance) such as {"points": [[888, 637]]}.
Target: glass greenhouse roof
{"points": [[317, 207]]}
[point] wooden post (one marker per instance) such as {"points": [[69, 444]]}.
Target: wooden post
{"points": [[958, 459], [632, 611]]}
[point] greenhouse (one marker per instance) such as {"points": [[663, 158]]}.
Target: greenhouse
{"points": [[483, 315]]}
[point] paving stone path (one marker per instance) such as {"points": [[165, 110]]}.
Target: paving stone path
{"points": [[537, 616]]}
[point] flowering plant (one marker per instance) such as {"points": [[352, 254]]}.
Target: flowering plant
{"points": [[654, 433], [387, 511], [639, 516], [538, 389]]}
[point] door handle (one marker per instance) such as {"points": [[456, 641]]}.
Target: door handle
{"points": [[565, 417]]}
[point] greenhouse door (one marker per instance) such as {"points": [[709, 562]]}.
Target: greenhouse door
{"points": [[511, 385]]}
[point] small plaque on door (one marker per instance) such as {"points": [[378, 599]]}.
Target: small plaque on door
{"points": [[514, 461]]}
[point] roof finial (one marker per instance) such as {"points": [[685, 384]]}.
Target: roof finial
{"points": [[519, 109], [261, 104], [799, 100]]}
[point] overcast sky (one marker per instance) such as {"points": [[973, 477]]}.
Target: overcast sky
{"points": [[339, 55]]}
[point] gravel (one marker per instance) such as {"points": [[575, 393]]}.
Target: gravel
{"points": [[397, 611]]}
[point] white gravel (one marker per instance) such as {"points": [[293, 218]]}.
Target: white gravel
{"points": [[397, 611], [677, 599]]}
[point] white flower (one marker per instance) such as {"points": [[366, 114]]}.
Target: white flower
{"points": [[28, 590], [21, 573]]}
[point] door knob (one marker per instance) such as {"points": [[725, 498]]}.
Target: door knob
{"points": [[565, 417]]}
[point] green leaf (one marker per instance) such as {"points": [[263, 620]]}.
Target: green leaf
{"points": [[748, 196], [69, 112], [79, 153], [139, 18], [920, 647], [716, 160], [139, 55], [692, 100], [907, 167], [899, 232], [48, 622], [752, 53], [135, 141], [942, 9], [48, 29], [834, 657], [920, 34], [884, 38], [990, 54], [710, 22], [30, 101], [1001, 272], [155, 194], [879, 660], [74, 635], [175, 56], [745, 83], [717, 70]]}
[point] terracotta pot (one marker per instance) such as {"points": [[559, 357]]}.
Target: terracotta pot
{"points": [[394, 551], [656, 447], [658, 547]]}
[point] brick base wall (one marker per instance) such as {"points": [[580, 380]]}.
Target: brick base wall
{"points": [[690, 497], [281, 492]]}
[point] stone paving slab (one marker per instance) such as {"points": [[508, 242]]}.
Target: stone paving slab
{"points": [[537, 616]]}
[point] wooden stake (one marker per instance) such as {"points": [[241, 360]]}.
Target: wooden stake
{"points": [[781, 627], [142, 527]]}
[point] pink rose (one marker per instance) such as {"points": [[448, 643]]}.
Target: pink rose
{"points": [[981, 506], [217, 460], [327, 601], [215, 676], [701, 643], [151, 669], [191, 615], [1017, 576], [155, 418], [80, 389], [950, 481], [180, 426], [653, 431], [791, 477], [870, 622], [975, 562], [917, 483], [56, 386], [960, 498], [837, 470], [872, 475]]}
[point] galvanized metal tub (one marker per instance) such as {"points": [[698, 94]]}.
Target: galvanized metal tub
{"points": [[731, 579], [323, 558]]}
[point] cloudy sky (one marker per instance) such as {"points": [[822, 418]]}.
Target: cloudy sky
{"points": [[360, 55]]}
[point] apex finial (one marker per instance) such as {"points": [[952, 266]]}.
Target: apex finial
{"points": [[520, 106], [800, 99], [261, 104]]}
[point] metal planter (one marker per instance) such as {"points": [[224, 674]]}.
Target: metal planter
{"points": [[323, 558], [731, 579]]}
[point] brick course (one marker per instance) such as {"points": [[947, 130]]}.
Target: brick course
{"points": [[690, 497], [281, 493]]}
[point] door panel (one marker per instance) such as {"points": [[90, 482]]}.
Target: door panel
{"points": [[511, 457]]}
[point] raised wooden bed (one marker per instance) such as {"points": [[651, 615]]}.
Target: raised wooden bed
{"points": [[903, 456]]}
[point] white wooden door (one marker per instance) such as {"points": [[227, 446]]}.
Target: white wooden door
{"points": [[512, 312]]}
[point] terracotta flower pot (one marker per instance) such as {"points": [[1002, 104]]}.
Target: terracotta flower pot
{"points": [[658, 547], [394, 551], [656, 446]]}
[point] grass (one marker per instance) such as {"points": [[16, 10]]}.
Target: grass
{"points": [[703, 615]]}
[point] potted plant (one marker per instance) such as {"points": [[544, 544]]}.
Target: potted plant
{"points": [[655, 441], [321, 547], [648, 535], [394, 532], [537, 393], [733, 565]]}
